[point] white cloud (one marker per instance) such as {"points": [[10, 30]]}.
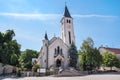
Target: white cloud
{"points": [[94, 15], [38, 16], [31, 16]]}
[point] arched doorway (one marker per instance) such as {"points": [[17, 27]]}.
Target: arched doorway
{"points": [[58, 63]]}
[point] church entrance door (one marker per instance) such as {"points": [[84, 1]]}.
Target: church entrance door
{"points": [[58, 63]]}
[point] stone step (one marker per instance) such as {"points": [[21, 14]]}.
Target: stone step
{"points": [[69, 72]]}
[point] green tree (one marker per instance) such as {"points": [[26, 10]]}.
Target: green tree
{"points": [[14, 59], [109, 59], [9, 48], [8, 36], [73, 56], [97, 58], [82, 60], [117, 63], [89, 56], [1, 45], [26, 58]]}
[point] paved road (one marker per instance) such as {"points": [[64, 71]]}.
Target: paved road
{"points": [[88, 77]]}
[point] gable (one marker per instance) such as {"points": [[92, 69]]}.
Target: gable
{"points": [[52, 40], [58, 42]]}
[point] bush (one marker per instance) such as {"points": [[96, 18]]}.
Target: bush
{"points": [[35, 67]]}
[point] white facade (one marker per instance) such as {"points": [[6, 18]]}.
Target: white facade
{"points": [[62, 53], [54, 52]]}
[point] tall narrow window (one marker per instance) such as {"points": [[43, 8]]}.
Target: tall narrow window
{"points": [[69, 21], [55, 50], [55, 54], [61, 51], [69, 37], [58, 50]]}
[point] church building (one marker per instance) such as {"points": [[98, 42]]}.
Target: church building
{"points": [[54, 52]]}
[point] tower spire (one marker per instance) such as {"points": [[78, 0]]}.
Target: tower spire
{"points": [[66, 12], [67, 28], [46, 37]]}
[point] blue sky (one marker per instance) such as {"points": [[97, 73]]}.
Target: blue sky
{"points": [[30, 19]]}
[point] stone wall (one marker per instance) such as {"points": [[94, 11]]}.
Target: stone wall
{"points": [[6, 69], [30, 73]]}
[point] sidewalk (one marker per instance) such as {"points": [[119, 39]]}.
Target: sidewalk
{"points": [[88, 77]]}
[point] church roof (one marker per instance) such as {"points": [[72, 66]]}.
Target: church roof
{"points": [[66, 12], [56, 38], [115, 50], [52, 40]]}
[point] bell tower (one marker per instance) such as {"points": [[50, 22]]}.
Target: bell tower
{"points": [[67, 28]]}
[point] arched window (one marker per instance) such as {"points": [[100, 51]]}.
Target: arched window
{"points": [[58, 50], [61, 51], [55, 50], [69, 21]]}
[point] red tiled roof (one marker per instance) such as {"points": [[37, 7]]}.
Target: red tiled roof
{"points": [[115, 50]]}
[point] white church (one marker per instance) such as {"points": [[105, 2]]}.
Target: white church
{"points": [[54, 52]]}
